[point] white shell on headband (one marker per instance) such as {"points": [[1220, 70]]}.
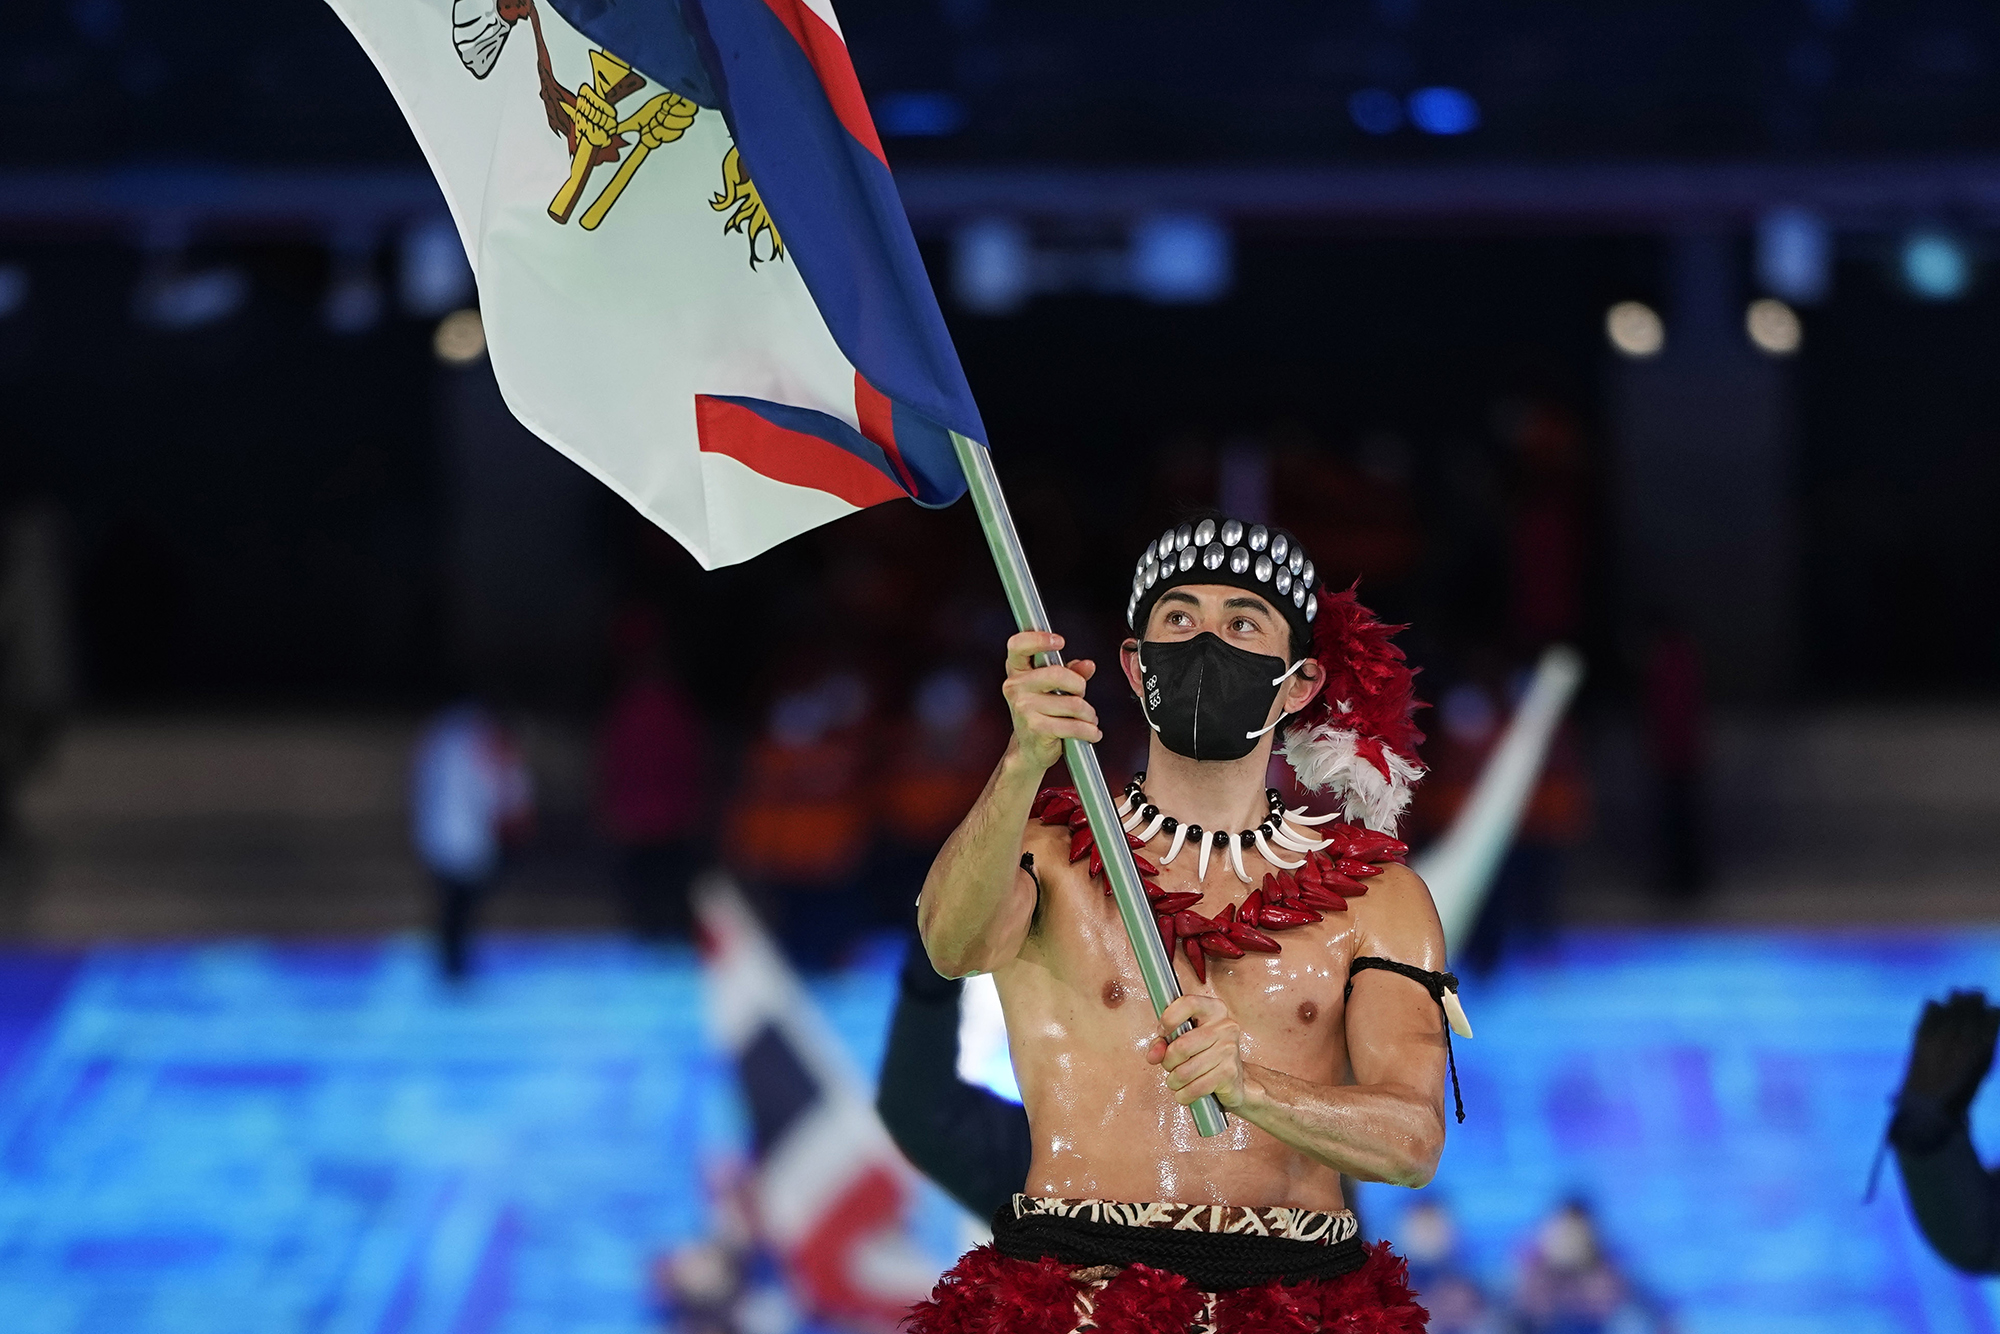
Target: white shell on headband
{"points": [[1275, 558]]}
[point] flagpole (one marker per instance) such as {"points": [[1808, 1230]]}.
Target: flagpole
{"points": [[1025, 601]]}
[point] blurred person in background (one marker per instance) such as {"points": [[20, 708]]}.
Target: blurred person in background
{"points": [[730, 1281], [36, 682], [652, 789], [971, 1141], [1956, 1201], [1675, 714], [801, 823], [1570, 1285], [1548, 522], [937, 764], [471, 799], [1457, 1304]]}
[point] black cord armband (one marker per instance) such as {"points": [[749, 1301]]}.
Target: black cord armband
{"points": [[1438, 984]]}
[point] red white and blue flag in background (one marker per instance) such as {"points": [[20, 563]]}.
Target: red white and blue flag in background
{"points": [[831, 1189], [696, 276]]}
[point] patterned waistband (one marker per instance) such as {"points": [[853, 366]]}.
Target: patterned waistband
{"points": [[1317, 1226]]}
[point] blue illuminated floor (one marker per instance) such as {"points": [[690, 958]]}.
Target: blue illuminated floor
{"points": [[239, 1137]]}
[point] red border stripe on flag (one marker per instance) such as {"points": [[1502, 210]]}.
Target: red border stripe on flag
{"points": [[829, 58], [790, 456]]}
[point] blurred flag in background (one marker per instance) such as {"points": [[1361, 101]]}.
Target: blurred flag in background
{"points": [[831, 1191]]}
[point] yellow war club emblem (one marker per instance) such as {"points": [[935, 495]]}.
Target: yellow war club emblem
{"points": [[598, 130]]}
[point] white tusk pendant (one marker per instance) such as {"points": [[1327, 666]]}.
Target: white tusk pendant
{"points": [[1173, 851], [1201, 867], [1132, 822], [1264, 851], [1299, 816], [1130, 804], [1454, 1014], [1236, 859], [1153, 828], [1298, 842]]}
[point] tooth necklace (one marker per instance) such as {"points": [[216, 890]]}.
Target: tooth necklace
{"points": [[1331, 871], [1143, 820]]}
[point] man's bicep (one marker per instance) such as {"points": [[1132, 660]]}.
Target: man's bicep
{"points": [[1395, 1034], [1395, 1027]]}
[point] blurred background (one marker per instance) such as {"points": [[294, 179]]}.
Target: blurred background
{"points": [[357, 750]]}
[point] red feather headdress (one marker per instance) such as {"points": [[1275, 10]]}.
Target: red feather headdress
{"points": [[1358, 739]]}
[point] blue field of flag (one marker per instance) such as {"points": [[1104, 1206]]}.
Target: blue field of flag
{"points": [[206, 1139]]}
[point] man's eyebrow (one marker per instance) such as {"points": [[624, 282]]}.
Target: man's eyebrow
{"points": [[1249, 604], [1175, 595]]}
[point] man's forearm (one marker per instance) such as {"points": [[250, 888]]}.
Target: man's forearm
{"points": [[1374, 1132], [1955, 1199], [971, 912]]}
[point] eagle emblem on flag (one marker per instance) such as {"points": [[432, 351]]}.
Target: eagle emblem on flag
{"points": [[599, 130]]}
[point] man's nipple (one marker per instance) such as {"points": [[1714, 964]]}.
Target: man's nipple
{"points": [[1113, 994], [1308, 1012]]}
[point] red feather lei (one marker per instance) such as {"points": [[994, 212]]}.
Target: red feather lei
{"points": [[1331, 876]]}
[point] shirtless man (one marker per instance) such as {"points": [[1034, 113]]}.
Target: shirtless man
{"points": [[1323, 1069]]}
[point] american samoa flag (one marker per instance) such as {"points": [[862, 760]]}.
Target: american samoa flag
{"points": [[831, 1189], [696, 276]]}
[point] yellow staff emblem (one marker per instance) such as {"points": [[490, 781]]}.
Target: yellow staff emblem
{"points": [[596, 131], [598, 126]]}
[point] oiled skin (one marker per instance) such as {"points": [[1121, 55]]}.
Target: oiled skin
{"points": [[1315, 1087], [1105, 1126]]}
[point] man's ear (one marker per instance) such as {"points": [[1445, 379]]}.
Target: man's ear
{"points": [[1304, 688], [1128, 658]]}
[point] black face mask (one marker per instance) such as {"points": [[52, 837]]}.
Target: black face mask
{"points": [[1208, 700]]}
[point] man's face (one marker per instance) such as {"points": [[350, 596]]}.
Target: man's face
{"points": [[1237, 617], [1234, 615]]}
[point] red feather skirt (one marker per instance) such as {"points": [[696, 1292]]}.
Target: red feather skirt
{"points": [[987, 1293]]}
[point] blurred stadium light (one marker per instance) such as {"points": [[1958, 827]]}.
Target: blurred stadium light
{"points": [[171, 298], [990, 266], [1794, 255], [1376, 110], [14, 287], [1182, 258], [460, 338], [1773, 326], [1444, 111], [432, 274], [353, 301], [920, 115], [1635, 329], [1935, 265]]}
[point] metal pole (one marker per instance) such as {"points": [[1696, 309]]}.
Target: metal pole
{"points": [[1126, 889]]}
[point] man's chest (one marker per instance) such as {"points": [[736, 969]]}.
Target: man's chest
{"points": [[1290, 1000]]}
